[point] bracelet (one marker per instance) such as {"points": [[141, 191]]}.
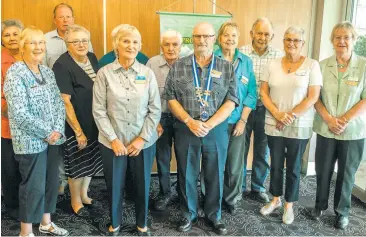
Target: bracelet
{"points": [[244, 121], [78, 135], [293, 114]]}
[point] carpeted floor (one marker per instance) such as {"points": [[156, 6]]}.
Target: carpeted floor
{"points": [[247, 221]]}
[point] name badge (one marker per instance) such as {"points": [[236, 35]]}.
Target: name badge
{"points": [[216, 74], [244, 80], [351, 83], [300, 72], [353, 79], [140, 79]]}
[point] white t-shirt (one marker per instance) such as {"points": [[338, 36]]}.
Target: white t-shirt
{"points": [[289, 90]]}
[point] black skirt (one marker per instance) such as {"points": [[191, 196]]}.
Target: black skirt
{"points": [[82, 163]]}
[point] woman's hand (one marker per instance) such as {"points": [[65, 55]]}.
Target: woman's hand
{"points": [[336, 125], [239, 128], [118, 148], [136, 146], [160, 130], [280, 126], [82, 141], [53, 138], [285, 118]]}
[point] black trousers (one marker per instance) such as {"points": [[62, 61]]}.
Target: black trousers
{"points": [[10, 176], [295, 150], [348, 155], [115, 176], [38, 189]]}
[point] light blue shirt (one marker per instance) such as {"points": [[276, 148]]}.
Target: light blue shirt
{"points": [[246, 84]]}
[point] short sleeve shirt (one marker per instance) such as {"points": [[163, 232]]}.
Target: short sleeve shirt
{"points": [[289, 90], [180, 85]]}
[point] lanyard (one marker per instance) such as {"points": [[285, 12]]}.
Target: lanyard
{"points": [[197, 83]]}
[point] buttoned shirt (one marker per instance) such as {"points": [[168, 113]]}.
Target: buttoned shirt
{"points": [[246, 85], [161, 69], [111, 56], [126, 104], [55, 46], [287, 90], [259, 62], [35, 110], [180, 86], [340, 93]]}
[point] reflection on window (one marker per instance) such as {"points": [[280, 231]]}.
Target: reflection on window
{"points": [[359, 21]]}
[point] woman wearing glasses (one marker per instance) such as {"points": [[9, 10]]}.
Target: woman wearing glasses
{"points": [[75, 73], [340, 123], [37, 122], [290, 87]]}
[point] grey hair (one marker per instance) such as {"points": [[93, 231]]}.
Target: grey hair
{"points": [[262, 19], [11, 22], [295, 30], [121, 32], [169, 34], [344, 25], [74, 28]]}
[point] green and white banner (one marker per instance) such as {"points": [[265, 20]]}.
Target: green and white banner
{"points": [[184, 23]]}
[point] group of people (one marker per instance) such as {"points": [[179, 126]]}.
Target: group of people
{"points": [[64, 113]]}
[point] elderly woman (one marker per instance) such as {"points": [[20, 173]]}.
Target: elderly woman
{"points": [[36, 114], [75, 72], [10, 176], [127, 109], [228, 38], [340, 123], [289, 90]]}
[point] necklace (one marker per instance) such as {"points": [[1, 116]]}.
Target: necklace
{"points": [[35, 77], [342, 65]]}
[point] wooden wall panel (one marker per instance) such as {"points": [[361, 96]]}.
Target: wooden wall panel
{"points": [[142, 14], [87, 13], [282, 13]]}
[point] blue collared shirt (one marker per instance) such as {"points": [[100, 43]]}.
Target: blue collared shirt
{"points": [[246, 84]]}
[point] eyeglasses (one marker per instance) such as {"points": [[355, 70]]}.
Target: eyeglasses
{"points": [[205, 37], [175, 45], [295, 41], [77, 42], [34, 43], [340, 38], [260, 34]]}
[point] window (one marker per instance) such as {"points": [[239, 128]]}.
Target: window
{"points": [[358, 18]]}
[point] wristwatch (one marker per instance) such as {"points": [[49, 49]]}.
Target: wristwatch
{"points": [[244, 121], [295, 115]]}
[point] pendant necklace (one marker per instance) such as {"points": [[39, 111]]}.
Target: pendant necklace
{"points": [[35, 77]]}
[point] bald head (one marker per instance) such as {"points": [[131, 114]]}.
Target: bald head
{"points": [[261, 34], [203, 38]]}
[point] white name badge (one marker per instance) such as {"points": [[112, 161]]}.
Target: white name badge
{"points": [[244, 80], [301, 72], [353, 79], [216, 74], [140, 79]]}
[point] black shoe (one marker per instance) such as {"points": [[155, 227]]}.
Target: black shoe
{"points": [[162, 202], [316, 213], [93, 203], [231, 208], [143, 233], [113, 233], [218, 227], [260, 196], [186, 224], [82, 212], [341, 222]]}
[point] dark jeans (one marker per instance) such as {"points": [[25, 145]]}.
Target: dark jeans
{"points": [[260, 165], [10, 176], [233, 176], [164, 153], [348, 155], [292, 150], [115, 176], [38, 189], [189, 149]]}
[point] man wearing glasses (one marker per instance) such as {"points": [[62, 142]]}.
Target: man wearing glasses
{"points": [[171, 43], [55, 46], [201, 94], [261, 52]]}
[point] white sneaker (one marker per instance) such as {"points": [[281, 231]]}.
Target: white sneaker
{"points": [[29, 235], [53, 229], [288, 216], [270, 207]]}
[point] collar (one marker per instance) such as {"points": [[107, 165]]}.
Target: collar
{"points": [[332, 65], [162, 61], [54, 34], [237, 54], [188, 59], [117, 66], [268, 51]]}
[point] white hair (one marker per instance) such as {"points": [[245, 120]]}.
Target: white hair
{"points": [[169, 34], [117, 28]]}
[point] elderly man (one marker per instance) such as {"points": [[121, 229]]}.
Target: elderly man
{"points": [[261, 52], [170, 43], [63, 17], [55, 47], [201, 90]]}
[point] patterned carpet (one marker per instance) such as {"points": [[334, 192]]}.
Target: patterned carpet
{"points": [[247, 221]]}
